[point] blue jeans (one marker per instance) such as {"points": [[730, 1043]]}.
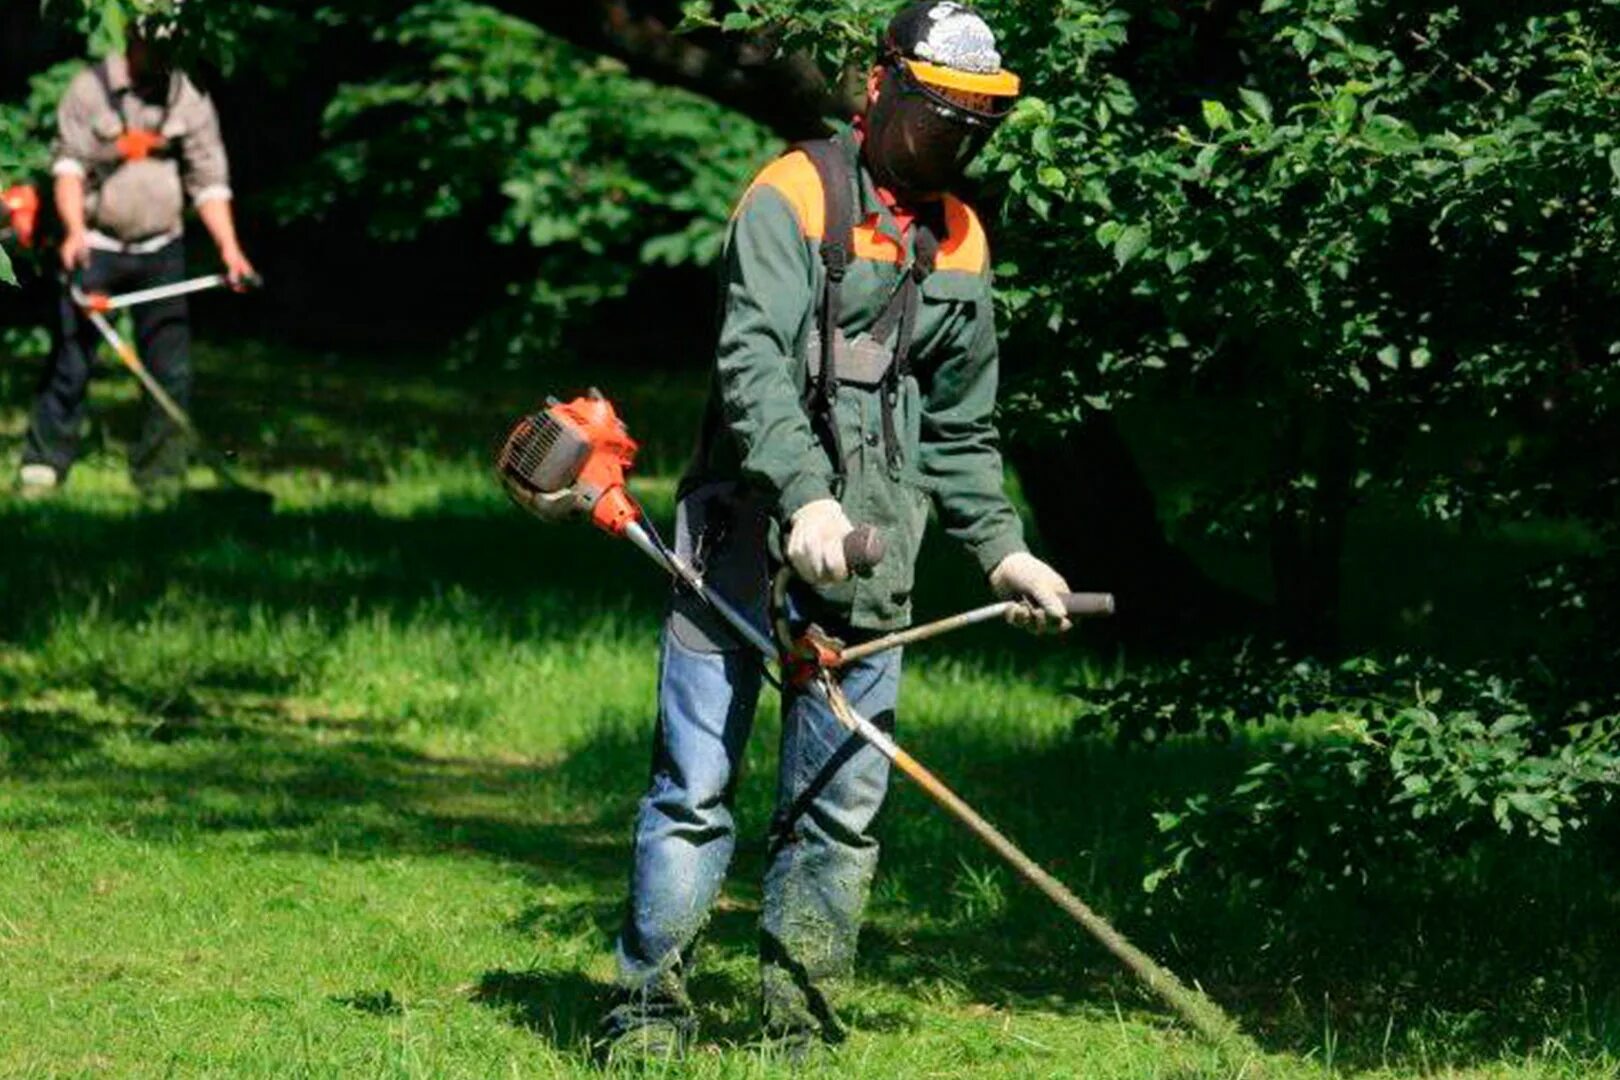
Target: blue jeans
{"points": [[822, 854]]}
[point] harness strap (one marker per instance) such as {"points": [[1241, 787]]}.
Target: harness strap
{"points": [[837, 252], [926, 247]]}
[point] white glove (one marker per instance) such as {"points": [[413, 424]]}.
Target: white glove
{"points": [[1021, 576], [815, 544]]}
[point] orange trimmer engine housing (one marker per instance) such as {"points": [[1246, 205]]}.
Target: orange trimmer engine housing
{"points": [[577, 452], [22, 211]]}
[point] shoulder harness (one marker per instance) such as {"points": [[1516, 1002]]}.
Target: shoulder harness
{"points": [[134, 144], [898, 318]]}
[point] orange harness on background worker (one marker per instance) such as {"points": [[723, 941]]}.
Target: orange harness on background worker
{"points": [[134, 143], [138, 144]]}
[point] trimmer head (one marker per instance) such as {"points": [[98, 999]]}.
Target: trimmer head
{"points": [[571, 458]]}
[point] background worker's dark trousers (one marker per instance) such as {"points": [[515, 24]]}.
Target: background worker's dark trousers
{"points": [[163, 339]]}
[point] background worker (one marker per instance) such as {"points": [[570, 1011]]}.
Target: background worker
{"points": [[799, 440], [135, 138]]}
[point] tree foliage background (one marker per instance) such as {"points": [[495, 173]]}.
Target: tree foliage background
{"points": [[1359, 225]]}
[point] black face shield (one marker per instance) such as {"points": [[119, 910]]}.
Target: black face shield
{"points": [[151, 67], [922, 135]]}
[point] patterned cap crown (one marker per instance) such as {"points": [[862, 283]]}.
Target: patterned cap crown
{"points": [[948, 34]]}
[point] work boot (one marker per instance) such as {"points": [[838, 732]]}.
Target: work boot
{"points": [[160, 492], [647, 1026], [159, 472], [37, 479], [796, 1047]]}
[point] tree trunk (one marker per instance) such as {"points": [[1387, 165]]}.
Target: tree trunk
{"points": [[1099, 520]]}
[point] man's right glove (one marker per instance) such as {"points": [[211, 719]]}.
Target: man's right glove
{"points": [[1021, 576], [815, 544]]}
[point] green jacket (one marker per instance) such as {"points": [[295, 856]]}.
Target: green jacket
{"points": [[758, 431]]}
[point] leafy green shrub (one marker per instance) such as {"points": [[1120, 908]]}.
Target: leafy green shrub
{"points": [[1416, 758], [599, 173]]}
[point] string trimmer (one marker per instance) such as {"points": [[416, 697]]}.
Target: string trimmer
{"points": [[570, 460], [96, 306]]}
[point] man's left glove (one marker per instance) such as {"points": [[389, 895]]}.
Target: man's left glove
{"points": [[1021, 576], [815, 544]]}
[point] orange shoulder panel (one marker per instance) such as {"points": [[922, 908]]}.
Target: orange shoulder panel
{"points": [[965, 246], [795, 178], [874, 246]]}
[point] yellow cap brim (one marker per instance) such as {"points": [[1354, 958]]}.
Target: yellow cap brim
{"points": [[996, 84]]}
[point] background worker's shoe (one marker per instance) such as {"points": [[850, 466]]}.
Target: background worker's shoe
{"points": [[36, 479], [160, 491]]}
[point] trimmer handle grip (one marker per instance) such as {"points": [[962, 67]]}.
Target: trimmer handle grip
{"points": [[864, 548], [248, 283], [1088, 605]]}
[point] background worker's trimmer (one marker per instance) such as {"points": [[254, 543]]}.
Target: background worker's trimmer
{"points": [[96, 306], [103, 303], [571, 459]]}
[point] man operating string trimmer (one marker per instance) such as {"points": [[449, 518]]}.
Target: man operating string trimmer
{"points": [[855, 379], [136, 137]]}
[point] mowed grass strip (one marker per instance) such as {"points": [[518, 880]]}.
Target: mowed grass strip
{"points": [[347, 791]]}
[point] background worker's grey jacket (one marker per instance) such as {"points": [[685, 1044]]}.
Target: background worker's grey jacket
{"points": [[758, 430], [139, 202]]}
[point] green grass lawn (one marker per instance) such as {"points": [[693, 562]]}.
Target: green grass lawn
{"points": [[348, 791]]}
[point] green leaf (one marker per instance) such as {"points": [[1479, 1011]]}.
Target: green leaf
{"points": [[1130, 244], [1256, 102], [697, 13], [1345, 108], [1614, 164], [1272, 5], [6, 275], [1042, 142], [1051, 176], [1217, 116]]}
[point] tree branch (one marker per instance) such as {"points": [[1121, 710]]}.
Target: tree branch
{"points": [[785, 93]]}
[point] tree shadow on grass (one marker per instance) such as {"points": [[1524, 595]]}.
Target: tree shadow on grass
{"points": [[324, 564], [562, 1007], [31, 738]]}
